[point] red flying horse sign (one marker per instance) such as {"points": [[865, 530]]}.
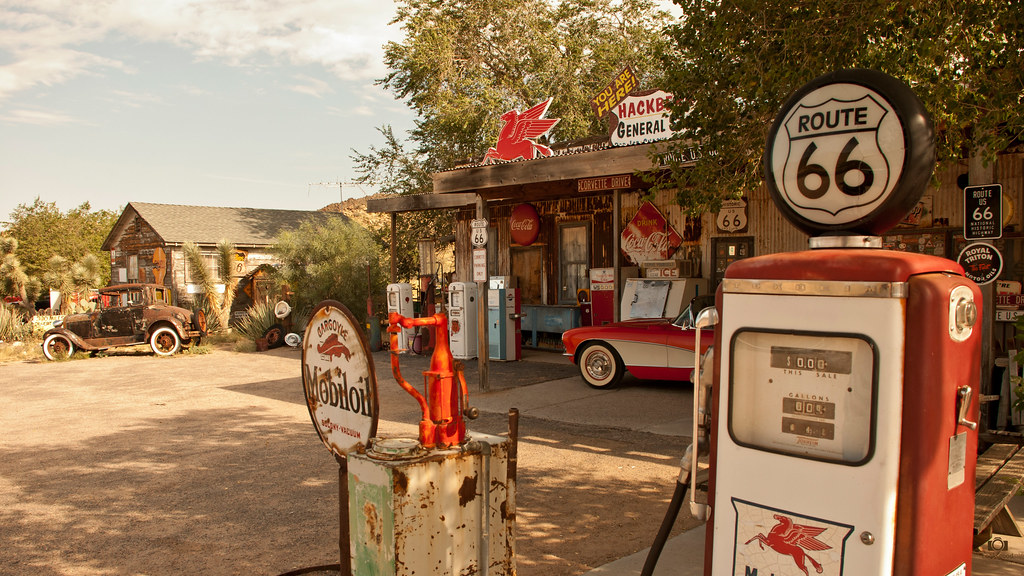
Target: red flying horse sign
{"points": [[514, 139]]}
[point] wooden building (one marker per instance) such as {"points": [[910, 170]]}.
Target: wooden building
{"points": [[146, 242]]}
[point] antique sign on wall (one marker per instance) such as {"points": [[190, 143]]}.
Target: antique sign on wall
{"points": [[515, 140], [649, 236], [640, 118], [338, 379], [524, 224]]}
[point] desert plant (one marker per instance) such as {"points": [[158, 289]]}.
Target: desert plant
{"points": [[257, 320], [12, 325]]}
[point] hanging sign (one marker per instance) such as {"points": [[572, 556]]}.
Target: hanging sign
{"points": [[624, 83], [648, 236], [515, 140], [524, 224], [851, 151], [983, 212], [338, 378], [640, 118], [981, 262]]}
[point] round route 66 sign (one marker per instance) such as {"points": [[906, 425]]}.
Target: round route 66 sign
{"points": [[851, 151]]}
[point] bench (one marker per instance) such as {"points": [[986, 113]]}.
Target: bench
{"points": [[1000, 474]]}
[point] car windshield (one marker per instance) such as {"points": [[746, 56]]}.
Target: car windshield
{"points": [[689, 314]]}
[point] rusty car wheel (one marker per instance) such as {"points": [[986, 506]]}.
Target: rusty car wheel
{"points": [[274, 336], [164, 341], [199, 322], [600, 366], [58, 347]]}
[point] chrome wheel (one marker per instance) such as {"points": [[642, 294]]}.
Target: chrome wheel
{"points": [[600, 366]]}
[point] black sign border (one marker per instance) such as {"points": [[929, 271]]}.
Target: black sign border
{"points": [[918, 163]]}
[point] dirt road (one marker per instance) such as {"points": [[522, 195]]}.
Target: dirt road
{"points": [[208, 464]]}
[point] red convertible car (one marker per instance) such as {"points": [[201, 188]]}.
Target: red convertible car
{"points": [[650, 349]]}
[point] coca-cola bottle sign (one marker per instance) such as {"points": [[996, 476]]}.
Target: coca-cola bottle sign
{"points": [[524, 224], [648, 236]]}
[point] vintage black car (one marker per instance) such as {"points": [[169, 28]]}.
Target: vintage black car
{"points": [[126, 315]]}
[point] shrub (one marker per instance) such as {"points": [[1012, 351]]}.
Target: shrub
{"points": [[257, 320]]}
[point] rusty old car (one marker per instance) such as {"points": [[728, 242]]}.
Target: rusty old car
{"points": [[127, 315]]}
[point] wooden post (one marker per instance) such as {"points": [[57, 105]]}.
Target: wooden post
{"points": [[344, 546], [483, 339]]}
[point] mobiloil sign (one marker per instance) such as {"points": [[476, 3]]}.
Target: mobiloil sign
{"points": [[846, 378]]}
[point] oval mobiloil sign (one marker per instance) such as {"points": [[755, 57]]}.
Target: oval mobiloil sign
{"points": [[851, 151], [338, 379]]}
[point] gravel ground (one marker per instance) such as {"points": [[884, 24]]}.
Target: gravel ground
{"points": [[208, 464]]}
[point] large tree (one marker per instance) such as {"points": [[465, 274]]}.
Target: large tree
{"points": [[463, 63], [732, 64], [44, 231]]}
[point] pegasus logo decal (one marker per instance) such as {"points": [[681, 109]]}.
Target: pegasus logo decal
{"points": [[795, 540], [514, 139], [333, 347]]}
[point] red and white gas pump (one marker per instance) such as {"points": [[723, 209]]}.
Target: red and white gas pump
{"points": [[843, 438]]}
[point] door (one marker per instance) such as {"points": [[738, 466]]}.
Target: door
{"points": [[527, 268]]}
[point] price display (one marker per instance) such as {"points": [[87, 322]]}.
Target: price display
{"points": [[805, 395]]}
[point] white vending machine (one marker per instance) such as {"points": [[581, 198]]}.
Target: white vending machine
{"points": [[400, 301], [462, 319]]}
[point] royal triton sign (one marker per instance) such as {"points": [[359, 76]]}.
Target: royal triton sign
{"points": [[640, 118]]}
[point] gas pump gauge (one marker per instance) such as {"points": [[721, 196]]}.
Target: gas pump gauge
{"points": [[807, 395]]}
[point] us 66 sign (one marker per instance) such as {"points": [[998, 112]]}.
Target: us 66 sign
{"points": [[851, 151]]}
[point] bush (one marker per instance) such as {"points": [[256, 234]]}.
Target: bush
{"points": [[12, 325], [257, 320]]}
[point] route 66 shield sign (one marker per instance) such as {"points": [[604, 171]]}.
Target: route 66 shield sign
{"points": [[851, 151]]}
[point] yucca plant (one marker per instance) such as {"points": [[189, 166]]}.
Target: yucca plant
{"points": [[12, 326], [257, 320]]}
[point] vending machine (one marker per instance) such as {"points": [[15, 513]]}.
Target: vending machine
{"points": [[462, 319], [400, 302], [846, 379], [504, 319]]}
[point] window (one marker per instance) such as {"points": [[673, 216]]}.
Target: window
{"points": [[573, 260]]}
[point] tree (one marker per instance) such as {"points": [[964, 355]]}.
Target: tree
{"points": [[330, 261], [73, 281], [14, 281], [42, 231], [733, 63], [217, 304]]}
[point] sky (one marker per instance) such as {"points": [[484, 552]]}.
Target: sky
{"points": [[254, 103]]}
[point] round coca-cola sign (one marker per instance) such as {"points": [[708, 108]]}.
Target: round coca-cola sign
{"points": [[525, 224]]}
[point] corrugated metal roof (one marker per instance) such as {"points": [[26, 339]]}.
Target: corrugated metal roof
{"points": [[210, 224]]}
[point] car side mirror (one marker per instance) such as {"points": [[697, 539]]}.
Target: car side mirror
{"points": [[707, 318]]}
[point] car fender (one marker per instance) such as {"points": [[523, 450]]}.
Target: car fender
{"points": [[74, 338], [170, 320]]}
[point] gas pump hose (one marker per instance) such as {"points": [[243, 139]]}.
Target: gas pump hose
{"points": [[678, 496]]}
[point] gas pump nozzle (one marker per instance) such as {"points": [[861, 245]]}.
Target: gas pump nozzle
{"points": [[705, 319], [443, 407]]}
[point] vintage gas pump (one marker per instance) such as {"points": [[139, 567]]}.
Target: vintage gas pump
{"points": [[504, 319], [462, 315], [442, 503], [844, 437], [400, 302]]}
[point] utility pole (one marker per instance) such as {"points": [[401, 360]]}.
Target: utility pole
{"points": [[340, 185]]}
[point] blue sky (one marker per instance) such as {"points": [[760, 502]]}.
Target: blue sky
{"points": [[205, 102]]}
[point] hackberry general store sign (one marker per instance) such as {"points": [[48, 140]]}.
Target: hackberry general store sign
{"points": [[640, 118], [338, 379]]}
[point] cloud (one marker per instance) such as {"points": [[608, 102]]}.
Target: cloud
{"points": [[48, 42], [311, 86], [37, 117]]}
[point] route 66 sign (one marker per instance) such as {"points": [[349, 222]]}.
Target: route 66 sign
{"points": [[851, 151], [733, 216], [478, 233]]}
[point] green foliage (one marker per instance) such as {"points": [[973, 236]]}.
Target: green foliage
{"points": [[73, 280], [43, 231], [257, 320], [14, 282], [322, 261], [732, 64], [12, 324], [217, 305]]}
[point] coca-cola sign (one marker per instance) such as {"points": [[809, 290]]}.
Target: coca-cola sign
{"points": [[525, 224], [648, 236]]}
